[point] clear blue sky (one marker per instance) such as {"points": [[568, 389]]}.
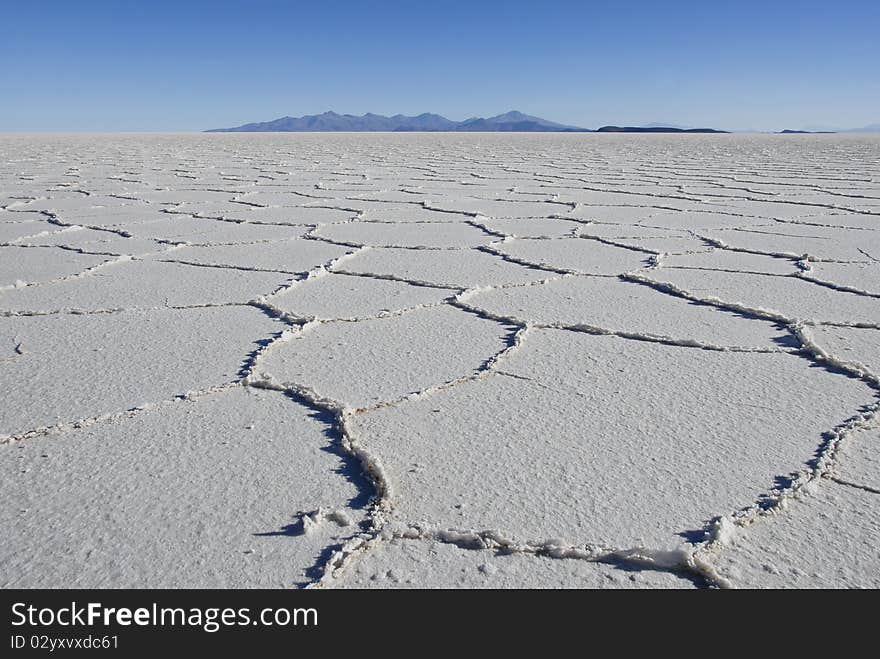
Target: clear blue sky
{"points": [[156, 65]]}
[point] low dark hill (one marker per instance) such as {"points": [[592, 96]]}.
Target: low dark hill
{"points": [[655, 129]]}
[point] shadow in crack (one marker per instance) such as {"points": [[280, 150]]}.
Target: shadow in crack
{"points": [[781, 483], [314, 572], [251, 359], [350, 469], [784, 482], [839, 370], [624, 566], [786, 339], [349, 466]]}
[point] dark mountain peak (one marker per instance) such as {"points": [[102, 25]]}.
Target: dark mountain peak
{"points": [[513, 115]]}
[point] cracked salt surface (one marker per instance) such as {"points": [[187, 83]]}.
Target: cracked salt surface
{"points": [[720, 259], [702, 221], [80, 366], [601, 303], [492, 208], [293, 256], [459, 269], [198, 493], [20, 266], [180, 228], [92, 241], [427, 235], [664, 245], [293, 216], [349, 297], [533, 227], [579, 255], [410, 215], [785, 296], [15, 231], [127, 284], [379, 360], [111, 218], [617, 449], [628, 213], [820, 243], [439, 361], [827, 539]]}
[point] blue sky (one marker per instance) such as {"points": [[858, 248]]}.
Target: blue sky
{"points": [[192, 65]]}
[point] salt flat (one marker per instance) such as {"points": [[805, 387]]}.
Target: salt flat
{"points": [[440, 360]]}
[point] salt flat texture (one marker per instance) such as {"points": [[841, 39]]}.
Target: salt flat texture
{"points": [[464, 361]]}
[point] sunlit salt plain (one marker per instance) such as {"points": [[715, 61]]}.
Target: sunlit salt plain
{"points": [[381, 360]]}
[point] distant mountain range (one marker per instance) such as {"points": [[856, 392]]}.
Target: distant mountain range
{"points": [[330, 121], [512, 121]]}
